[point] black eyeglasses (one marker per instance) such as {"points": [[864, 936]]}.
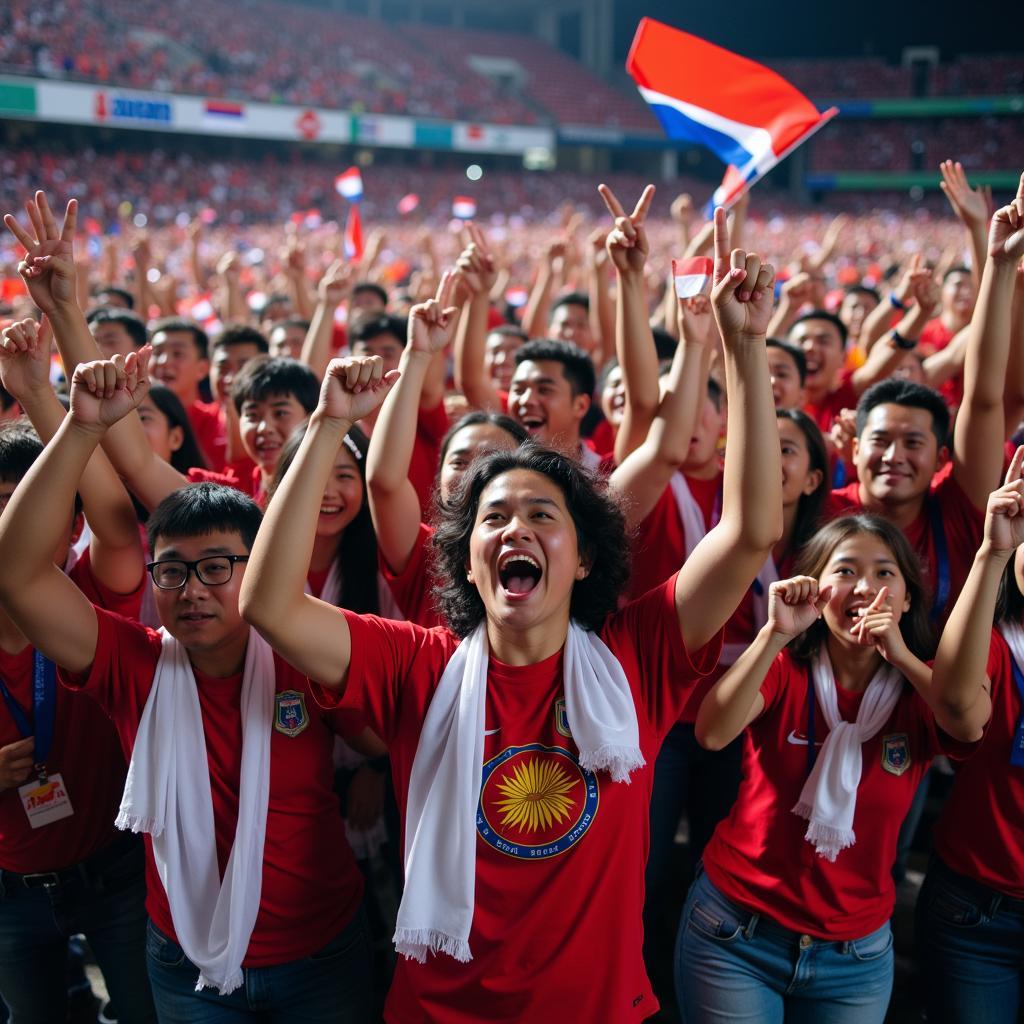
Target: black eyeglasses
{"points": [[213, 571]]}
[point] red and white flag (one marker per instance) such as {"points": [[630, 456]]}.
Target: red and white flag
{"points": [[353, 235], [692, 276], [349, 185], [464, 207], [408, 203]]}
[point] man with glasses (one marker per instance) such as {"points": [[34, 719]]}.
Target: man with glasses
{"points": [[252, 889]]}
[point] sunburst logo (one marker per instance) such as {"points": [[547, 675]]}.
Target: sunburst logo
{"points": [[537, 794]]}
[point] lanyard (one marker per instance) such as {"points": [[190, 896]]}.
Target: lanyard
{"points": [[44, 708], [812, 753], [1017, 750], [941, 558]]}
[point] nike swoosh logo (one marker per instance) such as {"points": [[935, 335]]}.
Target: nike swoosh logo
{"points": [[491, 732], [799, 741]]}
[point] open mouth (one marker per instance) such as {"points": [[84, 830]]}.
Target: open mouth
{"points": [[330, 510], [519, 573], [531, 423]]}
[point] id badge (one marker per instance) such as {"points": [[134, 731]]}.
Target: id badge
{"points": [[45, 802]]}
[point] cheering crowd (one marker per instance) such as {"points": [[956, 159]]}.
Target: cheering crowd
{"points": [[549, 544]]}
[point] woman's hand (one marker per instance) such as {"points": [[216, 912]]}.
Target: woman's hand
{"points": [[794, 605]]}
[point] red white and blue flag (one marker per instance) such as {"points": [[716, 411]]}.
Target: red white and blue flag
{"points": [[746, 114], [349, 185]]}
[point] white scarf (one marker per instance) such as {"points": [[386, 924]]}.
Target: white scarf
{"points": [[829, 797], [689, 513], [1014, 637], [385, 599], [167, 794], [436, 912]]}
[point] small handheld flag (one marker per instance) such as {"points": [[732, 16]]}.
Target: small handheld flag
{"points": [[691, 276], [353, 235], [745, 113], [464, 207], [349, 185], [408, 203]]}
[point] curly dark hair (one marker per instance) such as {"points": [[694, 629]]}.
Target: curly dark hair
{"points": [[915, 624], [600, 534]]}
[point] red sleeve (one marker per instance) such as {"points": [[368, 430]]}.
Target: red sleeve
{"points": [[646, 638], [128, 605], [121, 674], [391, 663], [411, 588]]}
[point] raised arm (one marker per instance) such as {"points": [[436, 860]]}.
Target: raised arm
{"points": [[715, 577], [49, 272], [308, 632], [601, 311], [477, 271], [961, 695], [628, 249], [116, 548], [333, 289], [735, 700], [535, 315], [972, 208], [978, 440], [644, 474], [394, 504], [46, 606]]}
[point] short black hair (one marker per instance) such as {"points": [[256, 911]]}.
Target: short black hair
{"points": [[509, 331], [794, 352], [895, 391], [600, 532], [199, 509], [189, 455], [823, 314], [958, 269], [272, 300], [474, 419], [577, 366], [664, 344], [20, 446], [112, 289], [181, 323], [264, 376], [134, 325], [370, 288], [240, 334], [863, 289], [293, 321], [367, 327], [571, 299]]}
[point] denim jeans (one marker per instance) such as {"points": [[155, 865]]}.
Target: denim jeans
{"points": [[733, 965], [970, 943], [107, 904], [333, 984]]}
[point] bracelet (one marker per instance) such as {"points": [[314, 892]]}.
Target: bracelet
{"points": [[904, 343], [894, 301]]}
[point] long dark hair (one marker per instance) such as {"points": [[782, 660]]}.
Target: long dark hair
{"points": [[357, 553], [915, 625], [168, 403], [809, 508], [600, 533], [1010, 602]]}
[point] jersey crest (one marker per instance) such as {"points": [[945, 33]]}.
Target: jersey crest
{"points": [[535, 801], [290, 714], [896, 753]]}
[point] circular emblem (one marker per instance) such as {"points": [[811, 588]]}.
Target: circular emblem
{"points": [[535, 801]]}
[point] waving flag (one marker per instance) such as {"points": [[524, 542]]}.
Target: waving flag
{"points": [[408, 203], [464, 207], [746, 114], [349, 185], [691, 276], [353, 235]]}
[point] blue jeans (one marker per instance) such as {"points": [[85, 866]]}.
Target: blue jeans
{"points": [[333, 984], [104, 898], [733, 965], [970, 943]]}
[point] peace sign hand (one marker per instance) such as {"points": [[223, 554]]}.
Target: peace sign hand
{"points": [[49, 264], [1004, 517], [627, 243], [432, 323]]}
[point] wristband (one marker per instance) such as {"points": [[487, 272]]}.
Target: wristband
{"points": [[904, 343], [894, 301]]}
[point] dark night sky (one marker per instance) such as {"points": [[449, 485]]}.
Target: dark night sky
{"points": [[824, 28]]}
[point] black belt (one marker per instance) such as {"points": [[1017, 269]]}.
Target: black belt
{"points": [[84, 871]]}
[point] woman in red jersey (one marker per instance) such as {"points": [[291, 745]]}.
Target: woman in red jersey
{"points": [[790, 918]]}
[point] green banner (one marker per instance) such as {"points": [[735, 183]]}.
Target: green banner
{"points": [[851, 181], [17, 99]]}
